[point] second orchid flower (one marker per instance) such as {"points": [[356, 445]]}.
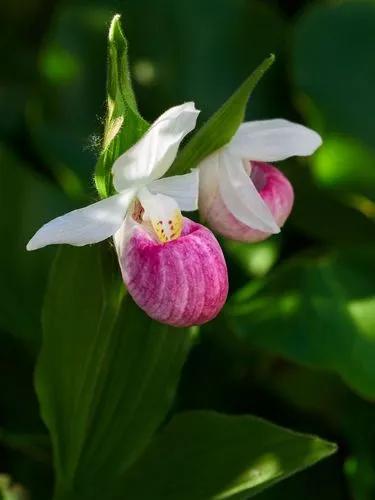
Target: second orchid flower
{"points": [[242, 196]]}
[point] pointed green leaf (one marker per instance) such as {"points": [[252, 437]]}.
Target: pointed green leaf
{"points": [[106, 375], [205, 455], [221, 127], [124, 125]]}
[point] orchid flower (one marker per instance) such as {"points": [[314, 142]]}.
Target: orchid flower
{"points": [[136, 175], [173, 268], [242, 196]]}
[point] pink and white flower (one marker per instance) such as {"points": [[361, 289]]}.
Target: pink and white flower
{"points": [[241, 195], [174, 268], [182, 282]]}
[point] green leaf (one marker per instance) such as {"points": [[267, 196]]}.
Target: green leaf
{"points": [[107, 373], [31, 203], [221, 127], [124, 125], [316, 311], [205, 455]]}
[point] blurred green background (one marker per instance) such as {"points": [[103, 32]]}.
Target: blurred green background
{"points": [[296, 343]]}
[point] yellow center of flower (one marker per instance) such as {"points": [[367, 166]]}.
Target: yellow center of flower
{"points": [[168, 230], [166, 225]]}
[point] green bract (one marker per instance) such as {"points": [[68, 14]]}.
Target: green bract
{"points": [[221, 127], [123, 125]]}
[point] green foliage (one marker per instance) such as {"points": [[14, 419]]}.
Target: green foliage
{"points": [[325, 216], [221, 127], [320, 312], [123, 371], [32, 202], [255, 259], [106, 375], [124, 125], [345, 165], [9, 491], [205, 455]]}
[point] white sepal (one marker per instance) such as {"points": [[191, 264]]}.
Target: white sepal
{"points": [[86, 225], [154, 153], [273, 140], [241, 197], [182, 188]]}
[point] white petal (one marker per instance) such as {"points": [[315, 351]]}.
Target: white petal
{"points": [[208, 181], [273, 140], [163, 213], [155, 152], [241, 197], [123, 234], [182, 188], [90, 224]]}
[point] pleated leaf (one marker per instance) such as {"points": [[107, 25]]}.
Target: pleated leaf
{"points": [[106, 375]]}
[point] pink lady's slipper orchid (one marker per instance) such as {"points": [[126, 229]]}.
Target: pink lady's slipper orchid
{"points": [[241, 195], [173, 268]]}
